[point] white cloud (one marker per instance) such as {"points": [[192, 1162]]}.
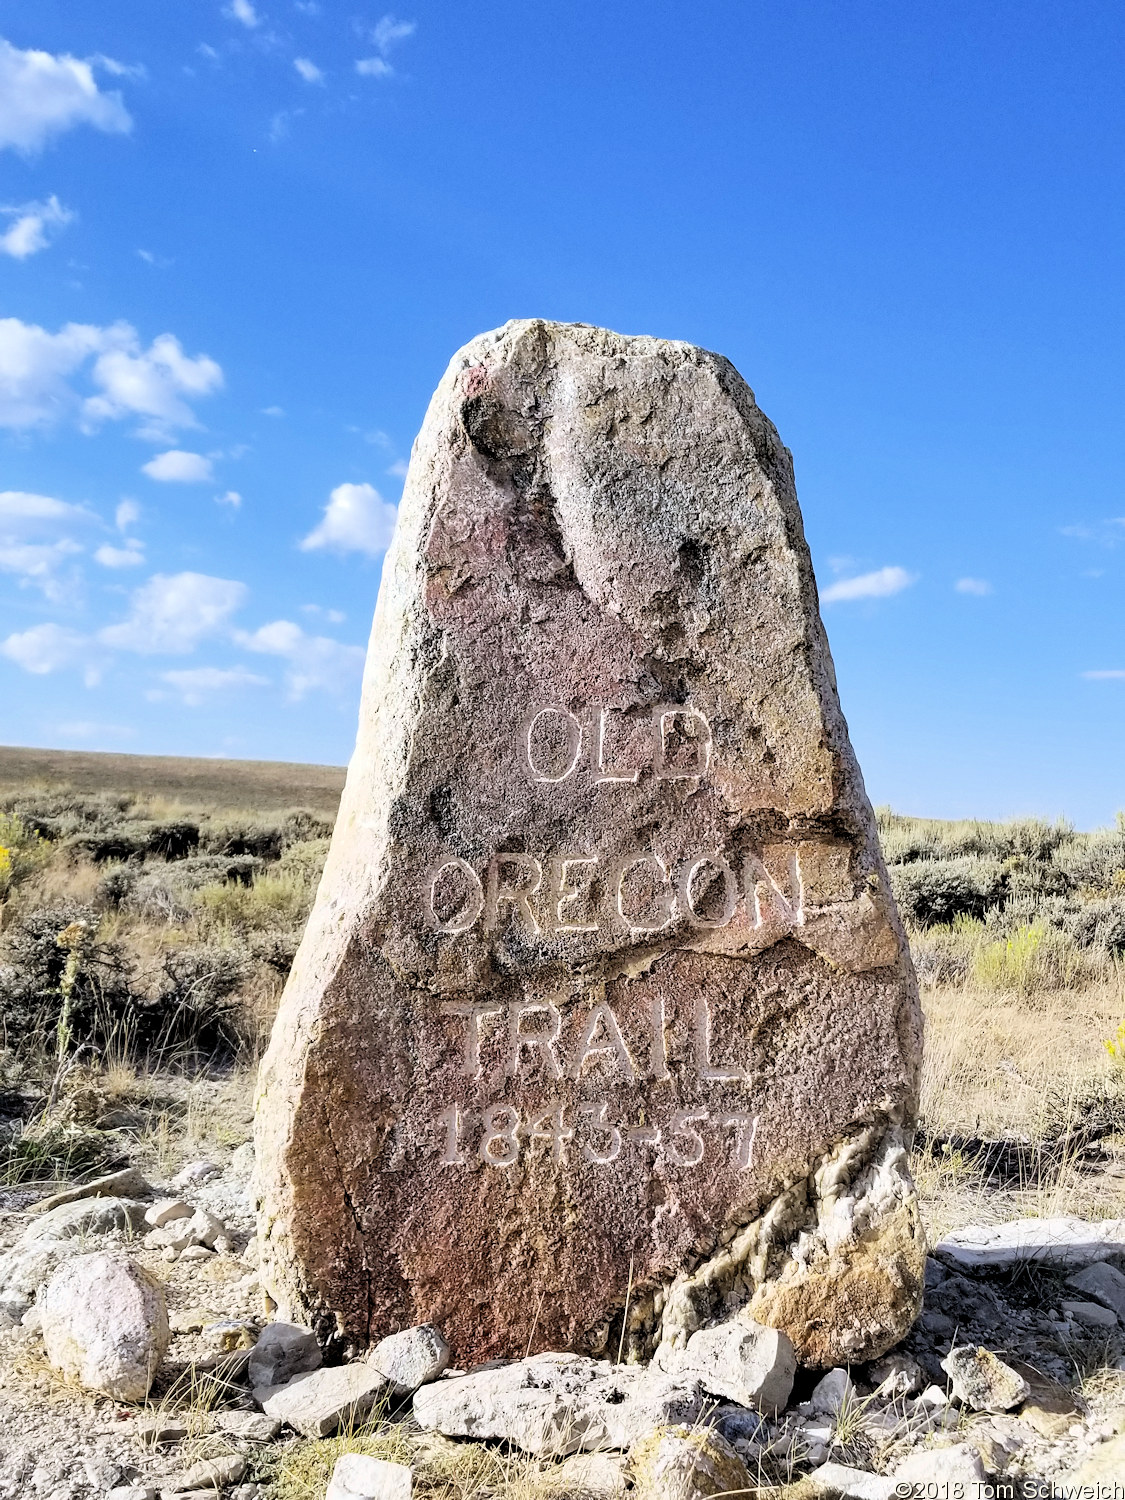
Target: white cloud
{"points": [[333, 616], [279, 124], [231, 498], [308, 70], [154, 383], [151, 383], [38, 562], [400, 468], [273, 411], [242, 10], [194, 683], [34, 366], [388, 31], [42, 95], [1111, 674], [33, 226], [18, 506], [89, 729], [45, 648], [178, 467], [127, 514], [373, 67], [315, 661], [356, 519], [130, 556], [978, 586], [30, 546], [877, 585], [174, 613]]}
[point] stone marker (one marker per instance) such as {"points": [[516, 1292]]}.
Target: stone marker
{"points": [[604, 997]]}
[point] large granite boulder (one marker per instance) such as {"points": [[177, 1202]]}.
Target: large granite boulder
{"points": [[604, 1000]]}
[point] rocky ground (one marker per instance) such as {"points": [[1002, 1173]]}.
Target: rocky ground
{"points": [[1013, 1376]]}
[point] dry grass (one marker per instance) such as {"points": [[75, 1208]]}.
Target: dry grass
{"points": [[994, 1057], [1002, 1064]]}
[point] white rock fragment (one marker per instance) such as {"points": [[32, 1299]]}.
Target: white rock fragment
{"points": [[195, 1252], [1057, 1242], [933, 1398], [282, 1351], [193, 1174], [105, 1324], [411, 1358], [319, 1403], [358, 1477], [740, 1360], [958, 1464], [559, 1404], [164, 1210], [852, 1484]]}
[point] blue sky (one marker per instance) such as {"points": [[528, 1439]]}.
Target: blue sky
{"points": [[240, 241]]}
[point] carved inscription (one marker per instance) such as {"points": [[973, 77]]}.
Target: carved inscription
{"points": [[638, 894], [575, 892], [499, 1136], [530, 1032], [555, 742]]}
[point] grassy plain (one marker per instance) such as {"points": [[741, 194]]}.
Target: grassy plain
{"points": [[261, 786]]}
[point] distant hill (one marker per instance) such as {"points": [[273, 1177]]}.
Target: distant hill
{"points": [[252, 785]]}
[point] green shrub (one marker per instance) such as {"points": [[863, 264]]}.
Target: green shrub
{"points": [[1093, 860], [197, 1006], [1032, 957], [22, 852], [935, 891], [31, 978], [271, 901]]}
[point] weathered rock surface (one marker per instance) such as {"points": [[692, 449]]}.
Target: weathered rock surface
{"points": [[604, 987], [847, 1483], [411, 1358], [1090, 1314], [282, 1351], [105, 1325], [318, 1404], [681, 1463], [355, 1476], [558, 1404], [955, 1464], [983, 1382], [1053, 1242], [1102, 1283], [741, 1360], [128, 1183]]}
